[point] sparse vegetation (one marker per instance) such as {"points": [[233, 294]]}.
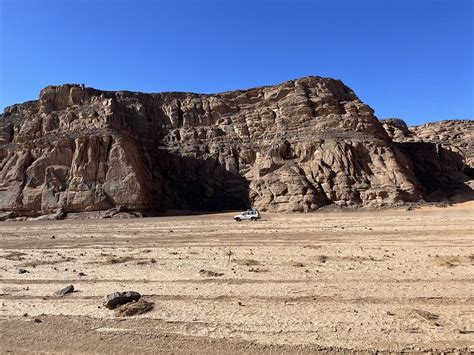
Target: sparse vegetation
{"points": [[247, 262], [118, 259]]}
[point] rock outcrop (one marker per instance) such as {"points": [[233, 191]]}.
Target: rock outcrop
{"points": [[296, 146], [442, 154]]}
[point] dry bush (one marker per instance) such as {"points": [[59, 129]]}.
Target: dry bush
{"points": [[118, 259], [453, 261], [146, 261], [14, 256], [257, 269], [312, 247], [35, 263], [247, 262]]}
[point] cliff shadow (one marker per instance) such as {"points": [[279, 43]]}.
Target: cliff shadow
{"points": [[190, 184], [443, 173]]}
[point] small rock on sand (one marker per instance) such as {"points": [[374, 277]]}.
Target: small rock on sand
{"points": [[65, 290], [115, 299], [23, 271]]}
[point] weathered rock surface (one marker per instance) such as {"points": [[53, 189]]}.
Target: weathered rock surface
{"points": [[457, 134], [296, 146], [134, 308], [113, 300], [442, 154], [65, 290]]}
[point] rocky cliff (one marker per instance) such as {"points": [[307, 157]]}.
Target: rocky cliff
{"points": [[296, 146], [442, 154]]}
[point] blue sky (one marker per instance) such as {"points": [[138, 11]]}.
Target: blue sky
{"points": [[409, 59]]}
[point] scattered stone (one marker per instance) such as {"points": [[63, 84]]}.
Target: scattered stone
{"points": [[37, 320], [465, 331], [113, 211], [257, 269], [6, 216], [427, 316], [210, 273], [298, 264], [115, 299], [322, 258], [56, 216], [65, 291], [134, 308], [23, 271]]}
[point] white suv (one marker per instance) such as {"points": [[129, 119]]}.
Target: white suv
{"points": [[251, 214]]}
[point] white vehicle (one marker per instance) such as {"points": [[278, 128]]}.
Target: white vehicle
{"points": [[251, 214]]}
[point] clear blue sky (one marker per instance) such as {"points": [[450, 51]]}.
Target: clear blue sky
{"points": [[405, 58]]}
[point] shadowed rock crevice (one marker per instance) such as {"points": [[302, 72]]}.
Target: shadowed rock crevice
{"points": [[442, 172], [192, 184], [441, 155]]}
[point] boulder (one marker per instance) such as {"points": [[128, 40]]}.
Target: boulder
{"points": [[113, 300], [134, 308]]}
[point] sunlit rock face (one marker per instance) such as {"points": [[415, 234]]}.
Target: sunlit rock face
{"points": [[293, 147]]}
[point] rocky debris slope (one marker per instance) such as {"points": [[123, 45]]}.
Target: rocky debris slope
{"points": [[296, 146], [442, 154]]}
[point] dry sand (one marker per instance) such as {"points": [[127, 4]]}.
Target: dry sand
{"points": [[391, 280]]}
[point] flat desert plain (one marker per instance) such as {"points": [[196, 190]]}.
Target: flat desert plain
{"points": [[363, 281]]}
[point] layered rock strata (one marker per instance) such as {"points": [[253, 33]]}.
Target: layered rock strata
{"points": [[294, 147], [442, 154]]}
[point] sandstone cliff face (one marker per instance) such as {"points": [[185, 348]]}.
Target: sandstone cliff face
{"points": [[292, 147]]}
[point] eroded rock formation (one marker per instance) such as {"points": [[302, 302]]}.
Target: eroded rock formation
{"points": [[442, 154], [296, 146]]}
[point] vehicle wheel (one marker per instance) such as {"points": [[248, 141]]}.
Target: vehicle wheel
{"points": [[237, 219], [253, 219]]}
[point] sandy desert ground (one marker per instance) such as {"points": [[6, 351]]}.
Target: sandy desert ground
{"points": [[392, 280]]}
